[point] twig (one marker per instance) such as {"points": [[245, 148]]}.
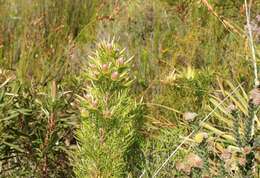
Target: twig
{"points": [[5, 82], [143, 173], [251, 41], [226, 23]]}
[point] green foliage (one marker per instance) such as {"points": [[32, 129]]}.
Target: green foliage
{"points": [[37, 85], [230, 137], [109, 137], [159, 147], [183, 50], [35, 124], [38, 37]]}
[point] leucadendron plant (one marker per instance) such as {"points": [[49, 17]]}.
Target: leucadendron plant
{"points": [[34, 128], [109, 137]]}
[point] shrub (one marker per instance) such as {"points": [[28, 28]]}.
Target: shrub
{"points": [[34, 127], [111, 120]]}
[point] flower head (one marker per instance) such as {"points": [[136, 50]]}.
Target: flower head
{"points": [[247, 150], [189, 116], [94, 103], [195, 160], [104, 67], [258, 18], [120, 61], [183, 167], [231, 108], [199, 137], [114, 76], [255, 96], [226, 154], [242, 161]]}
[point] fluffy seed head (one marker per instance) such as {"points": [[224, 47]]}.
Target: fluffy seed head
{"points": [[195, 160]]}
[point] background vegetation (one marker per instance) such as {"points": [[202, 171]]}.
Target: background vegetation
{"points": [[191, 71]]}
